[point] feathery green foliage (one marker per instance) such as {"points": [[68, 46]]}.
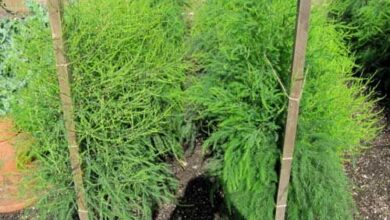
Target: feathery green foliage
{"points": [[336, 116], [368, 26], [245, 47], [127, 64]]}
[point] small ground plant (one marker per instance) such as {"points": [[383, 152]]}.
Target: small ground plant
{"points": [[244, 49], [127, 63]]}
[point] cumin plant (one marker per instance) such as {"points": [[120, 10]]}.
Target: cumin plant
{"points": [[127, 64], [244, 48]]}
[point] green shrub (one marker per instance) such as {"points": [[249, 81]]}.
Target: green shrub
{"points": [[368, 26], [127, 63], [243, 48]]}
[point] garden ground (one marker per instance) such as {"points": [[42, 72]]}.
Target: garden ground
{"points": [[370, 174]]}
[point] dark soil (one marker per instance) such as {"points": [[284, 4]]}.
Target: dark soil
{"points": [[199, 202], [11, 216], [370, 174], [22, 215]]}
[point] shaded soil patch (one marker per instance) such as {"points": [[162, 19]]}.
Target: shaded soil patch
{"points": [[200, 201], [185, 171], [370, 174], [198, 196]]}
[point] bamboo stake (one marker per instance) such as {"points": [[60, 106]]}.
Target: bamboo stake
{"points": [[297, 78], [55, 9]]}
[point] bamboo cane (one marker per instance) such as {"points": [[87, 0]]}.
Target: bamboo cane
{"points": [[297, 78], [64, 75]]}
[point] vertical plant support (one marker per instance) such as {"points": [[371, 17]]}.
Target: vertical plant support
{"points": [[297, 80], [55, 16]]}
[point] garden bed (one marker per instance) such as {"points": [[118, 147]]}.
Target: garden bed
{"points": [[224, 87]]}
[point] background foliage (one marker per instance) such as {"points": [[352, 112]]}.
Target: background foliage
{"points": [[367, 23], [8, 85]]}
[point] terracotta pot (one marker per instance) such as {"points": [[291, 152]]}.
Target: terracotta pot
{"points": [[10, 177]]}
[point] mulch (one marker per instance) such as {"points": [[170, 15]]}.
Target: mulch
{"points": [[370, 175]]}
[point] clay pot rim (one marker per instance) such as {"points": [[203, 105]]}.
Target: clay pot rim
{"points": [[9, 202]]}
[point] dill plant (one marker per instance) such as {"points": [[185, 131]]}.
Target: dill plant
{"points": [[127, 63], [240, 97], [244, 49], [337, 115]]}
